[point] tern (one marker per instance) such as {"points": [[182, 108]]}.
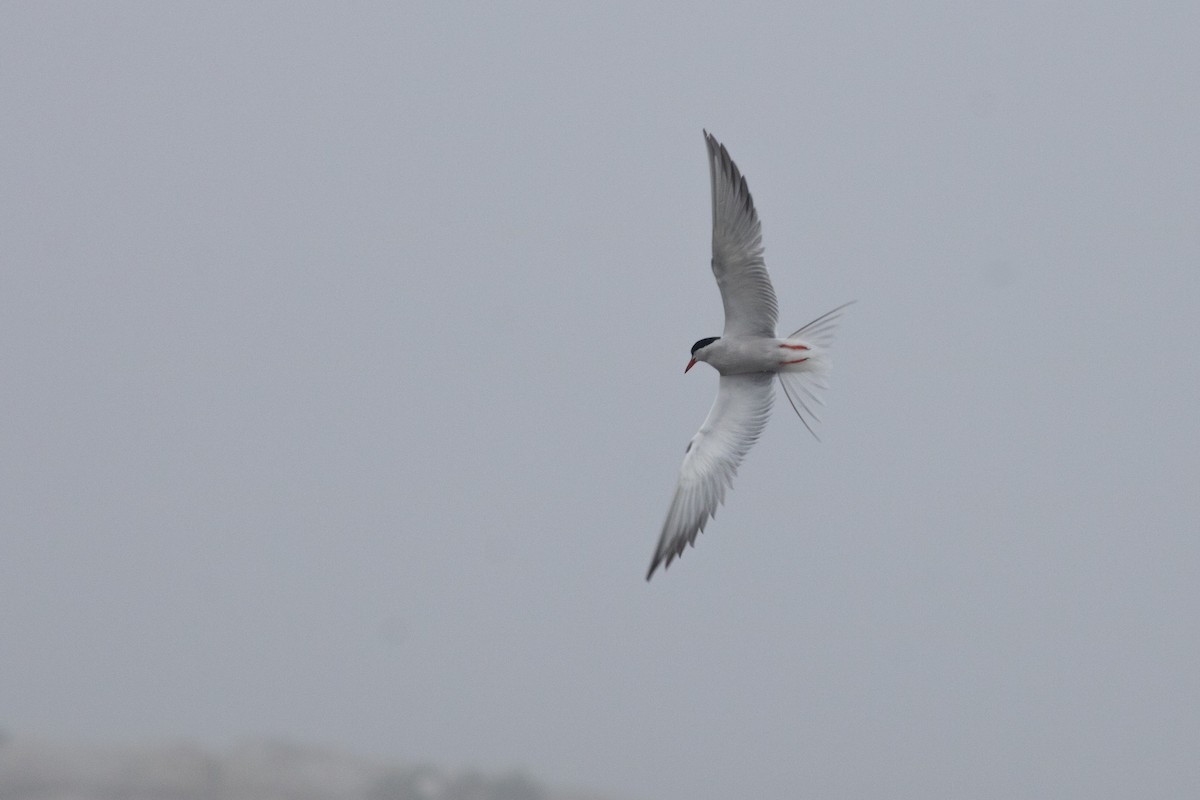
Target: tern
{"points": [[747, 354]]}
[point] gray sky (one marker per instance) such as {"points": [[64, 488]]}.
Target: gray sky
{"points": [[343, 398]]}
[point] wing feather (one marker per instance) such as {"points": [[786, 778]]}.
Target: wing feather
{"points": [[733, 425], [737, 261]]}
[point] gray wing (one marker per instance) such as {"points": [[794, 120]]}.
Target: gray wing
{"points": [[733, 425], [737, 260]]}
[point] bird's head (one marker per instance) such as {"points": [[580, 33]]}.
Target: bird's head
{"points": [[698, 351]]}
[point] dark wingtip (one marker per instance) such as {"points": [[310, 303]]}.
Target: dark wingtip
{"points": [[654, 564]]}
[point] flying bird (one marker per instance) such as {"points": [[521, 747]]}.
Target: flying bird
{"points": [[749, 357]]}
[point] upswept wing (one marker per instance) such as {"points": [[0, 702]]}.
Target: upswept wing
{"points": [[733, 425], [737, 262]]}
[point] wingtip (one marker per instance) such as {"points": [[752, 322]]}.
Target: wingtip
{"points": [[660, 559], [653, 566], [717, 149]]}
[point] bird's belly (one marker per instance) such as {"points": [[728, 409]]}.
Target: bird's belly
{"points": [[753, 355]]}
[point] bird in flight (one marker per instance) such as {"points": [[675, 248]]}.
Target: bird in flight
{"points": [[747, 354]]}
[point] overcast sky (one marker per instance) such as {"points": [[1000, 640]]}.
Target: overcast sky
{"points": [[342, 392]]}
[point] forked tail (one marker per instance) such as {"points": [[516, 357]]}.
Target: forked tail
{"points": [[806, 365]]}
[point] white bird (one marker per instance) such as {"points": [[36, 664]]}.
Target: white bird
{"points": [[747, 354]]}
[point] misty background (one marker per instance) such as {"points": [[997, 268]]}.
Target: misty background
{"points": [[341, 391]]}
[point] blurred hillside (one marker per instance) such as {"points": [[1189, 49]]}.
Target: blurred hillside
{"points": [[267, 770]]}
